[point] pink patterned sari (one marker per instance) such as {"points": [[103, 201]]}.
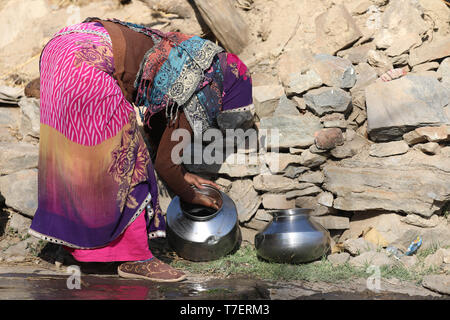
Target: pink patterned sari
{"points": [[97, 193]]}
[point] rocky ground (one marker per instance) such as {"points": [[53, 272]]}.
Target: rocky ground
{"points": [[372, 158]]}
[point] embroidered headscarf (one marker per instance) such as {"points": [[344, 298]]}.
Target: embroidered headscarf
{"points": [[172, 69]]}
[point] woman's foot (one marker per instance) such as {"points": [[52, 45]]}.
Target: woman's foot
{"points": [[153, 269]]}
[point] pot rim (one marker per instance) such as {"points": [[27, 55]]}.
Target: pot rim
{"points": [[294, 212], [207, 217]]}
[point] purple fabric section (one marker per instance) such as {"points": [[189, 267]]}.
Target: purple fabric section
{"points": [[237, 82], [226, 85], [55, 225]]}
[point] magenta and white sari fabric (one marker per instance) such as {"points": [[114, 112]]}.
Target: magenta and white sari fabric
{"points": [[97, 188]]}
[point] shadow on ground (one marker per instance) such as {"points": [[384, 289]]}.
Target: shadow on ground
{"points": [[52, 253]]}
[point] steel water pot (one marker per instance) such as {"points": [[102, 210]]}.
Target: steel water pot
{"points": [[292, 237], [198, 233]]}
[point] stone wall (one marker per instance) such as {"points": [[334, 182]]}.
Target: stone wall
{"points": [[364, 129], [370, 157]]}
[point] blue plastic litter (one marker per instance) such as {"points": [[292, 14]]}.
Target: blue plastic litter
{"points": [[394, 251], [414, 246]]}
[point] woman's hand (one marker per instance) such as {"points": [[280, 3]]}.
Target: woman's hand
{"points": [[198, 181], [204, 200], [200, 198]]}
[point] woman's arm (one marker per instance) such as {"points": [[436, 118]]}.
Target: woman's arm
{"points": [[175, 175]]}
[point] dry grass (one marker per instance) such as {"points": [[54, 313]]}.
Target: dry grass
{"points": [[245, 263]]}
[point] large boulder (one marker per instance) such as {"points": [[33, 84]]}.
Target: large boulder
{"points": [[411, 183], [438, 11], [401, 105], [294, 171], [293, 63], [337, 259], [17, 156], [314, 203], [384, 229], [278, 162], [388, 149], [266, 99], [437, 282], [30, 121], [286, 107], [299, 83], [424, 134], [365, 75], [437, 49], [312, 177], [10, 95], [29, 13], [28, 25], [444, 71], [245, 198], [274, 183], [438, 258], [332, 222], [20, 191], [357, 246], [379, 60], [9, 122], [19, 223], [335, 30], [335, 71], [357, 54], [277, 201], [429, 148], [328, 100], [401, 27], [350, 148], [311, 160], [293, 131], [310, 190]]}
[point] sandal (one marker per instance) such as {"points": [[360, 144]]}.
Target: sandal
{"points": [[152, 269]]}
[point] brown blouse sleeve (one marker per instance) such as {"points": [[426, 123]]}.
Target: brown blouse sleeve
{"points": [[171, 173]]}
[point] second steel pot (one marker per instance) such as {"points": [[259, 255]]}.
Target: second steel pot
{"points": [[292, 237]]}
